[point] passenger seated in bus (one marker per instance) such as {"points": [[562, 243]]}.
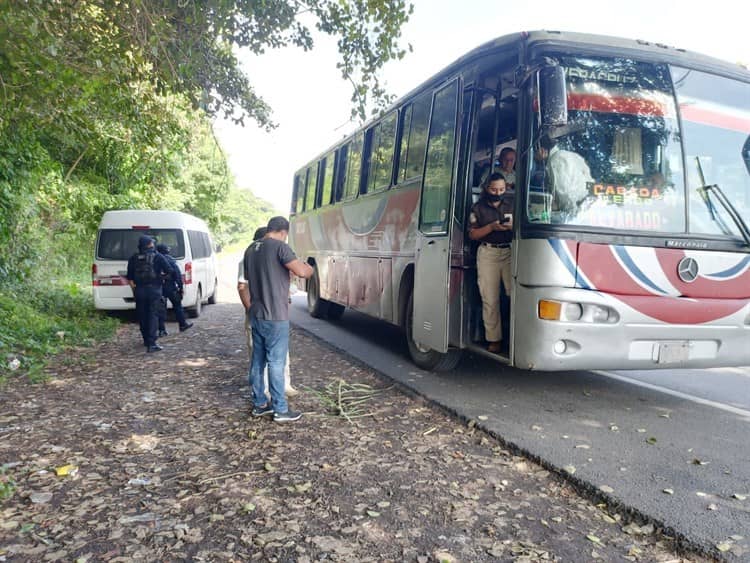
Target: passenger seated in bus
{"points": [[491, 224], [508, 167], [566, 175]]}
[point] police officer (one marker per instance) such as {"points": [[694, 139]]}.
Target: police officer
{"points": [[172, 289], [145, 271]]}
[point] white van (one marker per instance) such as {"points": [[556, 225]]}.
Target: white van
{"points": [[191, 246]]}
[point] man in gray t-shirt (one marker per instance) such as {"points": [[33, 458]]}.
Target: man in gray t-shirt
{"points": [[267, 267]]}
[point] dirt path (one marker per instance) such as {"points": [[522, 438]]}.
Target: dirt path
{"points": [[167, 465]]}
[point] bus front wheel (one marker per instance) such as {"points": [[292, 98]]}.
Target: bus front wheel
{"points": [[317, 307], [427, 358]]}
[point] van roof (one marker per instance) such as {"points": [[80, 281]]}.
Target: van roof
{"points": [[150, 218]]}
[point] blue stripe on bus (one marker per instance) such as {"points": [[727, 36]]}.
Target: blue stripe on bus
{"points": [[559, 248], [733, 271], [635, 270]]}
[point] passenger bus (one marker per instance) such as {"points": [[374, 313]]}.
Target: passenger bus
{"points": [[645, 265]]}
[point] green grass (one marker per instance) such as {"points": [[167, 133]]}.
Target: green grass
{"points": [[41, 321]]}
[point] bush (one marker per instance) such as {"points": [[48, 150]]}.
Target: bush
{"points": [[42, 321]]}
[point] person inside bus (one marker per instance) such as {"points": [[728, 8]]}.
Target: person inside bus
{"points": [[491, 224], [508, 167], [566, 175]]}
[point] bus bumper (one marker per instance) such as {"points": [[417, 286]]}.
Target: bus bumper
{"points": [[627, 340]]}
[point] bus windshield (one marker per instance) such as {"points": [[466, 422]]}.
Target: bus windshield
{"points": [[617, 163]]}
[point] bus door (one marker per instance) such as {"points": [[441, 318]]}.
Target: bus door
{"points": [[431, 287]]}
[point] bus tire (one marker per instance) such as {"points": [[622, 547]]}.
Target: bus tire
{"points": [[335, 311], [428, 359], [317, 307]]}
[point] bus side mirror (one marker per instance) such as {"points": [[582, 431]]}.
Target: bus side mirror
{"points": [[553, 96], [746, 154]]}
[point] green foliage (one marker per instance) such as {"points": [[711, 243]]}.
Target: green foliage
{"points": [[240, 214], [105, 104], [7, 485], [42, 321]]}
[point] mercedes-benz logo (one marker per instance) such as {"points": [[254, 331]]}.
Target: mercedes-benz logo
{"points": [[687, 269]]}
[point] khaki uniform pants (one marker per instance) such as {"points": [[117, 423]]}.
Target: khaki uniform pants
{"points": [[493, 265], [249, 340]]}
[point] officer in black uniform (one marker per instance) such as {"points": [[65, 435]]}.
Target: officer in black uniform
{"points": [[172, 289], [146, 268]]}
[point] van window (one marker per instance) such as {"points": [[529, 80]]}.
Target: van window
{"points": [[121, 244], [199, 244]]}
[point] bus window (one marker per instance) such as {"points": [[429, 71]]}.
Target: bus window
{"points": [[414, 139], [438, 176], [310, 189], [341, 173], [355, 167], [716, 123], [381, 156], [327, 179], [295, 193]]}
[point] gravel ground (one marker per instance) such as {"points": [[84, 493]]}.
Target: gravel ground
{"points": [[127, 456]]}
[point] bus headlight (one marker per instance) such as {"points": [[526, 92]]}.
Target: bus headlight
{"points": [[567, 311], [599, 314]]}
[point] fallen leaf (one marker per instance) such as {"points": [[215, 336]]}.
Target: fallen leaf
{"points": [[651, 440], [268, 467], [66, 470], [483, 417], [606, 489], [723, 546], [739, 496], [373, 513], [569, 469], [712, 507], [583, 447], [594, 539], [668, 491]]}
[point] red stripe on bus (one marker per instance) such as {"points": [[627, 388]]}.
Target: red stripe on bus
{"points": [[714, 118], [614, 104]]}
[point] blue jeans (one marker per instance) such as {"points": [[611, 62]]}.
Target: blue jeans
{"points": [[270, 346]]}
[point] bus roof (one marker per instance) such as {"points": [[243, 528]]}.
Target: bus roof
{"points": [[582, 43]]}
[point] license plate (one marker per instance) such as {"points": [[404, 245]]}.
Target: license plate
{"points": [[673, 352]]}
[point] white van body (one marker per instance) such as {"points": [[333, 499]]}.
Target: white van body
{"points": [[117, 240]]}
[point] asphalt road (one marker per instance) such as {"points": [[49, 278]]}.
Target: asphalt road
{"points": [[672, 445]]}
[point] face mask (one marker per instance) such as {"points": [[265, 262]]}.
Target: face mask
{"points": [[493, 198]]}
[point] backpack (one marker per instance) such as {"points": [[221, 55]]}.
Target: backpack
{"points": [[143, 269]]}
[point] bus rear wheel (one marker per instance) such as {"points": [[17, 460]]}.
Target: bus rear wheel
{"points": [[427, 358], [317, 307]]}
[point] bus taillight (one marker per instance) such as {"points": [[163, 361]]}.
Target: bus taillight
{"points": [[188, 277]]}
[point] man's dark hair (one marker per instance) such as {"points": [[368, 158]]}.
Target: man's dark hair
{"points": [[276, 224], [492, 178], [162, 248], [260, 232]]}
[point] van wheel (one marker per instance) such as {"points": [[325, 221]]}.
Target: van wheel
{"points": [[317, 307], [424, 357], [212, 299], [195, 312], [335, 311]]}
